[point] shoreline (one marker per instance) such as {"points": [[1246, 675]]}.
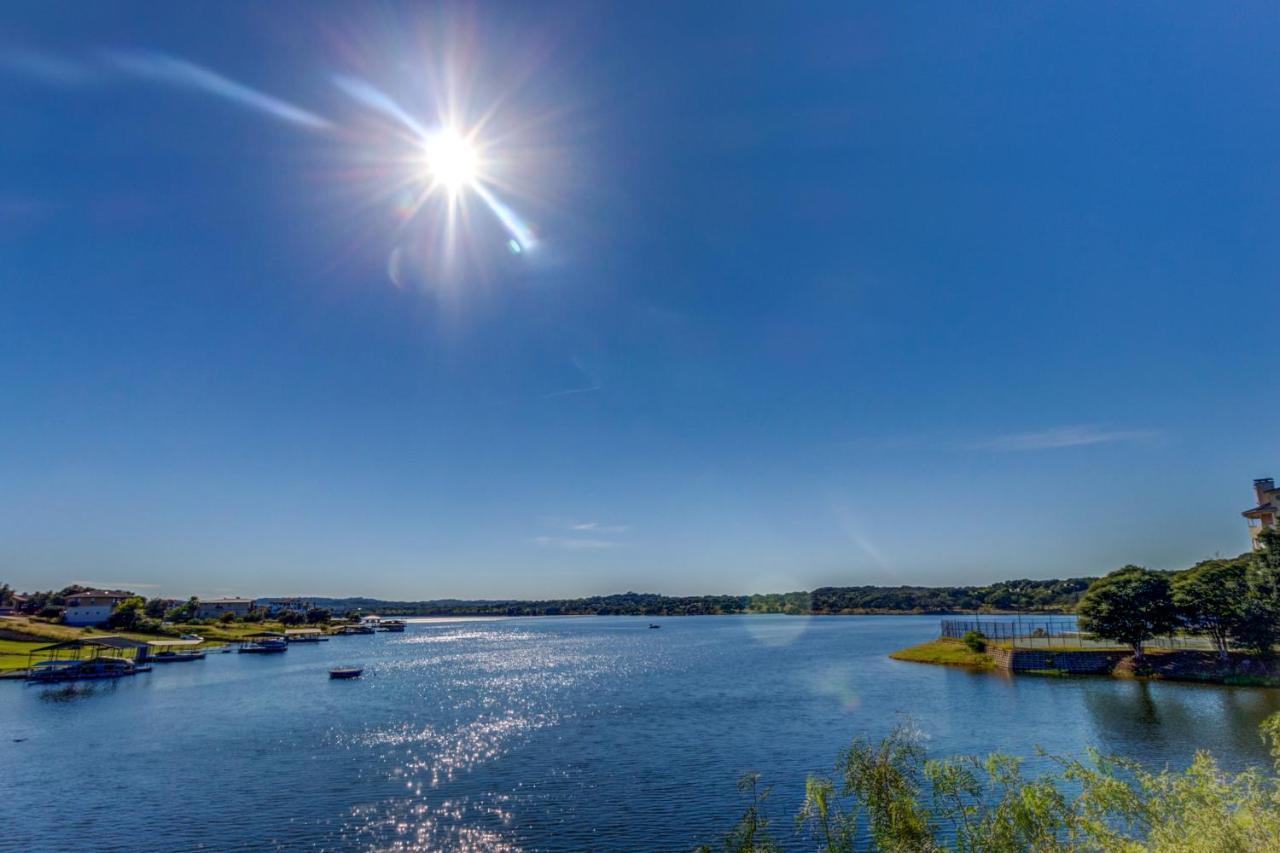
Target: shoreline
{"points": [[1186, 666]]}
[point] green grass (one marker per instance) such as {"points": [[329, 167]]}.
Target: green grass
{"points": [[13, 654], [946, 652]]}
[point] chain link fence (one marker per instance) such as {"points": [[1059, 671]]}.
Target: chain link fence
{"points": [[1055, 632]]}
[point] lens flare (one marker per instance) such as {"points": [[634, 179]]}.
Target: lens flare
{"points": [[450, 160]]}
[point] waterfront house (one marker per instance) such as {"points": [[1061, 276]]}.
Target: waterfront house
{"points": [[1267, 513], [215, 607], [276, 606], [92, 607]]}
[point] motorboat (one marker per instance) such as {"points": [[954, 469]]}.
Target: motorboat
{"points": [[347, 630], [393, 625], [176, 656], [341, 672]]}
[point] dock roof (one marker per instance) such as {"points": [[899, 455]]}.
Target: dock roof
{"points": [[101, 642]]}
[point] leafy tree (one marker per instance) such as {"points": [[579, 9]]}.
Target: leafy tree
{"points": [[227, 618], [975, 640], [6, 594], [184, 612], [290, 617], [1131, 605], [318, 615], [127, 614], [1211, 598], [1259, 628]]}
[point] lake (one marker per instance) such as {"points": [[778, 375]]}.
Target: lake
{"points": [[540, 734]]}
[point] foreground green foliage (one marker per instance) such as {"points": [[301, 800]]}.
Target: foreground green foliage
{"points": [[891, 797]]}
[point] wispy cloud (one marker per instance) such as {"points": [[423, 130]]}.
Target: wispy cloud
{"points": [[590, 385], [586, 389], [179, 72], [1056, 438], [598, 527], [570, 543]]}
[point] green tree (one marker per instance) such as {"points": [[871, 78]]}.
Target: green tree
{"points": [[127, 614], [1131, 605], [184, 612], [1211, 598], [318, 614], [291, 617], [1259, 628]]}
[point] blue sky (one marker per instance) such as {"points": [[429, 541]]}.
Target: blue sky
{"points": [[838, 294]]}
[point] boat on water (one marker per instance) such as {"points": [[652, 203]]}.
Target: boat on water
{"points": [[394, 625], [347, 630], [175, 651], [653, 625], [176, 656], [305, 635], [264, 644], [346, 672], [91, 669]]}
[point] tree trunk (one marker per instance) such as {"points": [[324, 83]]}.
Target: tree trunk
{"points": [[1137, 653]]}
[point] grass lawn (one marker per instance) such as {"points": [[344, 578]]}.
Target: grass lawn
{"points": [[48, 632], [13, 654], [945, 651]]}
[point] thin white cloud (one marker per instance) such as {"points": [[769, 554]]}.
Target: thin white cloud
{"points": [[1056, 438], [566, 392], [180, 72], [570, 543], [598, 527]]}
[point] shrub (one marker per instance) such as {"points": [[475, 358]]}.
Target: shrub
{"points": [[975, 640]]}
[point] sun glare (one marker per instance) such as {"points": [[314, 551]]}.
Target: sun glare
{"points": [[451, 160]]}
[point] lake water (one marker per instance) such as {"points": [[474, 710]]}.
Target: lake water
{"points": [[538, 734]]}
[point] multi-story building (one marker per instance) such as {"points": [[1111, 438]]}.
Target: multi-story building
{"points": [[215, 607], [92, 607], [1267, 513]]}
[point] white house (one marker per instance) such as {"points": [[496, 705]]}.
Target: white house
{"points": [[93, 606]]}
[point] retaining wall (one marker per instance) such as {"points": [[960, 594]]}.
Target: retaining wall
{"points": [[1021, 660]]}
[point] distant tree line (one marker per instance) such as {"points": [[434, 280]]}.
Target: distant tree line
{"points": [[1054, 596]]}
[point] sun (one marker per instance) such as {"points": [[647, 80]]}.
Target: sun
{"points": [[451, 160]]}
